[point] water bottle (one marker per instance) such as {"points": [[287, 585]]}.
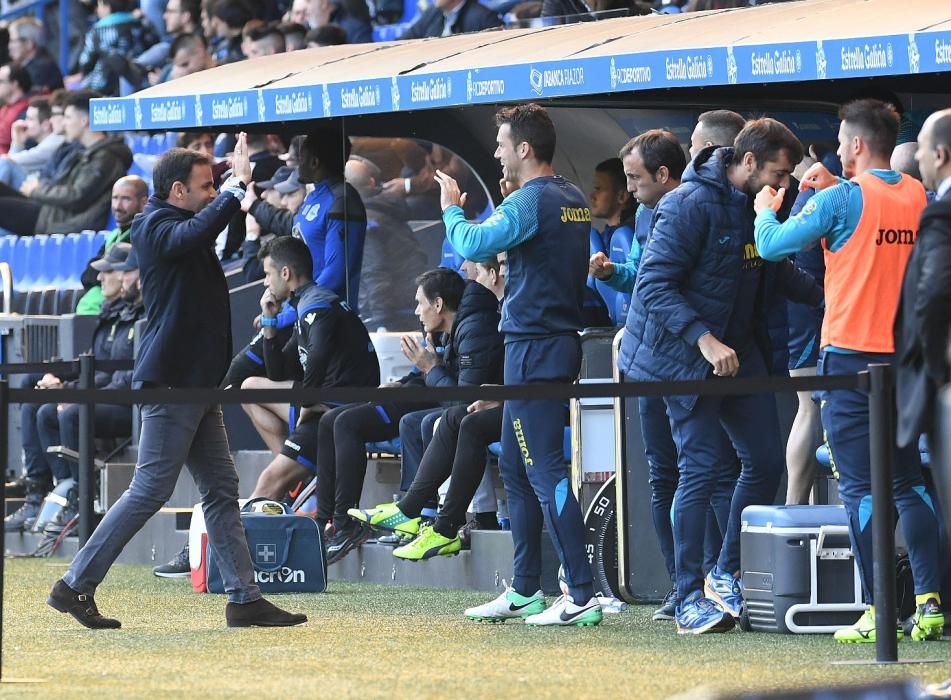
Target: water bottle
{"points": [[502, 510]]}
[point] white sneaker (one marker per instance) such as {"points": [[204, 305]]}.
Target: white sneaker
{"points": [[508, 605], [564, 612]]}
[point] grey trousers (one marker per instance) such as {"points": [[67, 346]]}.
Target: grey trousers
{"points": [[173, 435]]}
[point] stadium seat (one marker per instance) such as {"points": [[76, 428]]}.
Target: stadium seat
{"points": [[390, 32], [495, 449], [390, 447], [18, 262], [450, 258], [6, 248], [35, 263], [596, 245]]}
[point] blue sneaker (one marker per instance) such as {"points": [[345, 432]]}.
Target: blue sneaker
{"points": [[724, 589], [699, 615]]}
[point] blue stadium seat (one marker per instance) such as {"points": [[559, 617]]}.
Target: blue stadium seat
{"points": [[390, 447], [596, 244], [6, 248], [390, 32], [450, 258], [40, 265], [495, 448], [19, 261], [69, 258], [54, 272]]}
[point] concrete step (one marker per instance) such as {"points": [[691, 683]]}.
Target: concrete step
{"points": [[486, 567]]}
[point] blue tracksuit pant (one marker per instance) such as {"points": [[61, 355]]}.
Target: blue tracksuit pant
{"points": [[845, 420], [661, 456], [533, 465], [752, 423]]}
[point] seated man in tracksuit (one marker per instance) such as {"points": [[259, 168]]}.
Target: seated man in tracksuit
{"points": [[544, 224], [330, 347], [61, 427], [464, 431], [868, 226], [332, 222], [446, 306], [654, 162], [42, 470], [700, 308]]}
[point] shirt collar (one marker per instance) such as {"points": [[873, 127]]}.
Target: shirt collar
{"points": [[944, 187], [452, 14]]}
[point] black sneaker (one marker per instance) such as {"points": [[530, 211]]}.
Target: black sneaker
{"points": [[480, 521], [668, 608], [178, 567], [345, 539]]}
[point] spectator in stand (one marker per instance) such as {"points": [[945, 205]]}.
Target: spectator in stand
{"points": [[352, 15], [181, 17], [42, 470], [265, 41], [58, 424], [327, 35], [78, 198], [188, 54], [129, 195], [298, 12], [448, 17], [37, 129], [118, 35], [28, 50], [15, 85], [392, 256], [226, 20], [295, 36], [67, 150]]}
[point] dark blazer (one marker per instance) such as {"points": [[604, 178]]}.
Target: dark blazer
{"points": [[922, 323], [473, 17], [187, 338]]}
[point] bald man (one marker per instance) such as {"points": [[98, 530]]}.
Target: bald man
{"points": [[129, 195], [903, 159]]}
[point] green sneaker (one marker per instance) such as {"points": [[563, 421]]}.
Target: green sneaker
{"points": [[509, 605], [429, 543], [863, 631], [387, 517], [928, 622]]}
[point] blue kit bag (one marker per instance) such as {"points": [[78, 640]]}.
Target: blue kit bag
{"points": [[286, 549]]}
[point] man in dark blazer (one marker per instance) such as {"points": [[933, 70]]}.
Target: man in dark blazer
{"points": [[186, 343], [448, 17], [924, 313]]}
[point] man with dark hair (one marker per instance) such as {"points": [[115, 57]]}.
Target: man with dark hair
{"points": [[186, 298], [448, 17], [868, 226], [79, 197], [654, 163], [457, 450], [326, 35], [23, 159], [187, 54], [265, 41], [180, 17], [27, 47], [697, 310], [611, 200], [295, 36], [544, 224], [718, 127], [226, 20], [329, 347], [15, 85]]}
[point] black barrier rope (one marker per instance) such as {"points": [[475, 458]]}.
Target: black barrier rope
{"points": [[725, 386]]}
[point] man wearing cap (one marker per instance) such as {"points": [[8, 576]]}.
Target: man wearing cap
{"points": [[186, 344], [42, 470], [119, 269]]}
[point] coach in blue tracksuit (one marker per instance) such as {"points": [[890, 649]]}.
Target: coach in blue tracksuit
{"points": [[700, 307], [543, 223]]}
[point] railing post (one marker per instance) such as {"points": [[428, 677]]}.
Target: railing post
{"points": [[4, 455], [87, 380], [882, 438]]}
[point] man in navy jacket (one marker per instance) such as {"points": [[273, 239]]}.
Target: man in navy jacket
{"points": [[187, 343], [448, 17], [700, 306]]}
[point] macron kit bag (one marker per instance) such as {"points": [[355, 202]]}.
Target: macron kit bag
{"points": [[286, 550]]}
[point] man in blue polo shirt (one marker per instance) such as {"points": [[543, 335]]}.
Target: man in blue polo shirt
{"points": [[544, 223]]}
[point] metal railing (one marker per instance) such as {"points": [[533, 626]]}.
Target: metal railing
{"points": [[877, 382]]}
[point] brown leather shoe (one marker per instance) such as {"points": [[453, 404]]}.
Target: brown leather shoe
{"points": [[261, 613], [81, 606]]}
